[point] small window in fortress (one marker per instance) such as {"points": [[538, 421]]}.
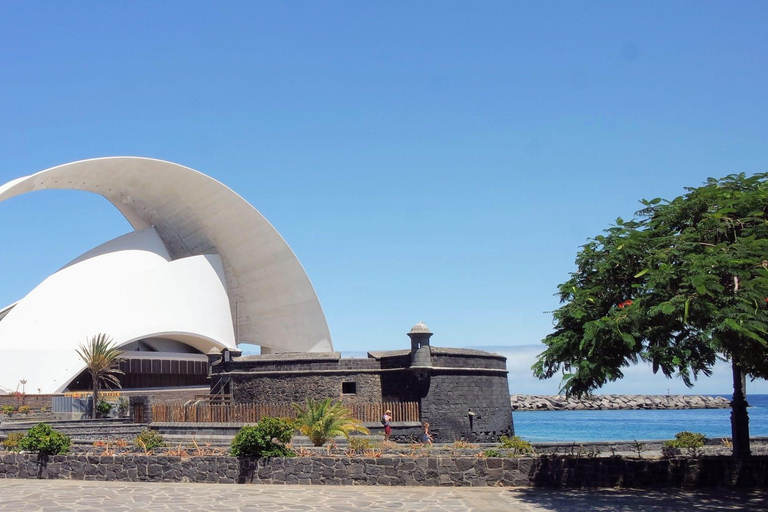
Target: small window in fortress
{"points": [[348, 388]]}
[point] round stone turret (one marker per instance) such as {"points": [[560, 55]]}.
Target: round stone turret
{"points": [[421, 354], [420, 328], [214, 355]]}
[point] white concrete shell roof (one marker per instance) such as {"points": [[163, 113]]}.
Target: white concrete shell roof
{"points": [[128, 288], [272, 301]]}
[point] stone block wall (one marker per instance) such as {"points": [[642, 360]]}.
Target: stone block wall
{"points": [[452, 397], [296, 362], [702, 473], [404, 386], [167, 395], [467, 358], [298, 387], [34, 401]]}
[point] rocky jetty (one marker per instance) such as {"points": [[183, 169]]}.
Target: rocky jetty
{"points": [[595, 402]]}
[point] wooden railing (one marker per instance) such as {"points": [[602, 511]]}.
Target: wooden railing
{"points": [[401, 411], [252, 413]]}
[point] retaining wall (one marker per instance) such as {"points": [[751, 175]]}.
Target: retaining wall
{"points": [[686, 473], [34, 401]]}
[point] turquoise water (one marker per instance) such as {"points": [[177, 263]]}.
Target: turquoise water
{"points": [[567, 426]]}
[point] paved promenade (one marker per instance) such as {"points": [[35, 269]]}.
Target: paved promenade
{"points": [[64, 495]]}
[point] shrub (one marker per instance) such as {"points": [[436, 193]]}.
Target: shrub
{"points": [[491, 453], [8, 409], [265, 439], [639, 447], [360, 443], [24, 409], [517, 445], [148, 440], [463, 444], [13, 442], [690, 441], [46, 441], [103, 408], [122, 406]]}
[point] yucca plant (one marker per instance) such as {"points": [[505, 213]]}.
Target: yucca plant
{"points": [[101, 359], [325, 419]]}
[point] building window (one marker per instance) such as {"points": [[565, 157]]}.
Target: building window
{"points": [[349, 388]]}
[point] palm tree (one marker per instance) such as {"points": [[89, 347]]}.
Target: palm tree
{"points": [[321, 421], [101, 359]]}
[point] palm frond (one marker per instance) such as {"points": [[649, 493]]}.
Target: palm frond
{"points": [[325, 419], [101, 358]]}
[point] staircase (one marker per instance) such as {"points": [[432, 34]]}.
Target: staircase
{"points": [[82, 430]]}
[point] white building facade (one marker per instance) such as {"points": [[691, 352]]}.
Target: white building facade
{"points": [[203, 270]]}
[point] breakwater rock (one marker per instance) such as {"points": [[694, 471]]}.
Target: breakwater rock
{"points": [[595, 402]]}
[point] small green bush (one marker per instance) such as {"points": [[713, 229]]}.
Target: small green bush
{"points": [[8, 409], [148, 440], [491, 453], [360, 443], [265, 439], [103, 408], [12, 443], [24, 409], [518, 445], [690, 441], [46, 441]]}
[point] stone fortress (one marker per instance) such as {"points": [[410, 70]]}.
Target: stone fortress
{"points": [[462, 393]]}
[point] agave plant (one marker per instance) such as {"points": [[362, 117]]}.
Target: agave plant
{"points": [[323, 420], [101, 360]]}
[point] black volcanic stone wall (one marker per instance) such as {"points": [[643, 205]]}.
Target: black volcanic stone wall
{"points": [[685, 473], [298, 362], [467, 361], [296, 388], [451, 396], [403, 386]]}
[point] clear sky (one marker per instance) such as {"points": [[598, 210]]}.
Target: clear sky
{"points": [[435, 161]]}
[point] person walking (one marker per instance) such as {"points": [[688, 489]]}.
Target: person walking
{"points": [[426, 437], [386, 420]]}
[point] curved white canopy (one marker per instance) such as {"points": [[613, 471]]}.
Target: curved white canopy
{"points": [[272, 301]]}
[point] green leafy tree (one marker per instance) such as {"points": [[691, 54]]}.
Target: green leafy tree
{"points": [[681, 285], [101, 359], [325, 419]]}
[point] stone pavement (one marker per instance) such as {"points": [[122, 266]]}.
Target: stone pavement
{"points": [[65, 495]]}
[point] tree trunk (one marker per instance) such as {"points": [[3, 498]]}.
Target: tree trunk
{"points": [[739, 416], [95, 398]]}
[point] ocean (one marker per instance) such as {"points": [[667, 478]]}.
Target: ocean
{"points": [[626, 425]]}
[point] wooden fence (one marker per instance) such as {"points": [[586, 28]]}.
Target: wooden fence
{"points": [[401, 411], [252, 413]]}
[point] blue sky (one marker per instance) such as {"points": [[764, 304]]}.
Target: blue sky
{"points": [[434, 161]]}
